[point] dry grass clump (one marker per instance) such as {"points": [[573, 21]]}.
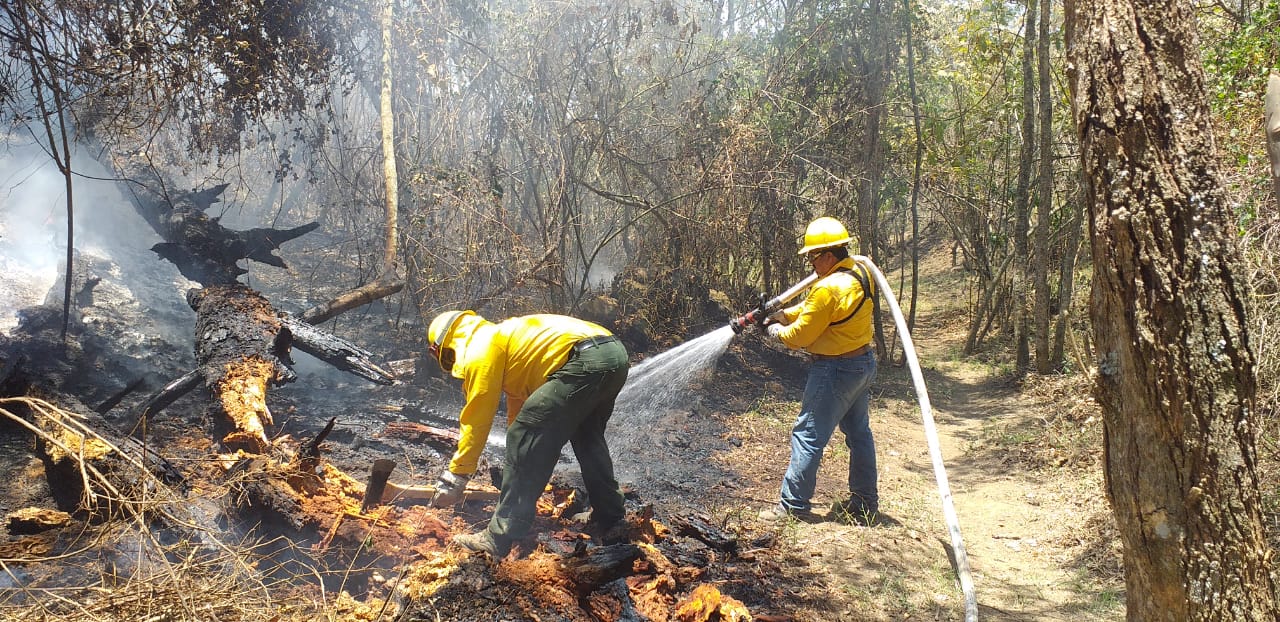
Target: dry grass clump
{"points": [[147, 557], [1067, 435], [1262, 258]]}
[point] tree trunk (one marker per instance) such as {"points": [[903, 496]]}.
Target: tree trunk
{"points": [[1044, 209], [1272, 115], [1067, 273], [918, 134], [1022, 199], [237, 348], [44, 75], [884, 52], [1176, 372], [391, 179]]}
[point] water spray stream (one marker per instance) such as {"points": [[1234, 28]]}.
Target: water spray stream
{"points": [[656, 380], [656, 390], [935, 450]]}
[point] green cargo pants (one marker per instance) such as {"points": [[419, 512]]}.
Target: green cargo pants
{"points": [[574, 407]]}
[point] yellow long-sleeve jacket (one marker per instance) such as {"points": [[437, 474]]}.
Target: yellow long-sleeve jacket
{"points": [[815, 323], [512, 357]]}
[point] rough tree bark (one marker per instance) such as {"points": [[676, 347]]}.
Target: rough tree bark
{"points": [[1176, 372], [884, 50], [242, 343], [238, 350]]}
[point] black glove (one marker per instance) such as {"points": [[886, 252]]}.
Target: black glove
{"points": [[449, 489]]}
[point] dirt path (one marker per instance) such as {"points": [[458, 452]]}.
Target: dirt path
{"points": [[1022, 469]]}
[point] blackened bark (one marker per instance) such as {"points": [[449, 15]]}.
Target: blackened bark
{"points": [[1176, 375], [331, 349], [203, 250], [240, 353]]}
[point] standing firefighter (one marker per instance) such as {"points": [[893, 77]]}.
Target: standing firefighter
{"points": [[561, 376], [834, 325]]}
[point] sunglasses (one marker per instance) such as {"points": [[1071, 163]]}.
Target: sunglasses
{"points": [[814, 254]]}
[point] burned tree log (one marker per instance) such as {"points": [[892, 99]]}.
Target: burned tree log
{"points": [[601, 565], [413, 432], [242, 347], [239, 353], [329, 348], [171, 392], [333, 350], [203, 250], [208, 253], [700, 528], [385, 285], [236, 366]]}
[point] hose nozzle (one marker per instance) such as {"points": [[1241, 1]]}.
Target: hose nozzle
{"points": [[758, 315], [740, 323]]}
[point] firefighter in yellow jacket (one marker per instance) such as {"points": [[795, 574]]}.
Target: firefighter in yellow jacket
{"points": [[833, 324], [561, 376]]}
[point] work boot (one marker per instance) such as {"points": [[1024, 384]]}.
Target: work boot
{"points": [[481, 542], [780, 512], [615, 532]]}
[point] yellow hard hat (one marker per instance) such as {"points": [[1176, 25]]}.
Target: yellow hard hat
{"points": [[438, 334], [824, 232]]}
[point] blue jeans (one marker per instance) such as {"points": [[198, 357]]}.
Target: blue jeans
{"points": [[837, 394]]}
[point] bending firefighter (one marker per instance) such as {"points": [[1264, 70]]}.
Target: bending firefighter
{"points": [[561, 376], [833, 324]]}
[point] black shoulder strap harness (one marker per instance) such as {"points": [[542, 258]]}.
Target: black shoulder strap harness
{"points": [[863, 280]]}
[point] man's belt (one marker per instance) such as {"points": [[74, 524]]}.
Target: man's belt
{"points": [[591, 342], [847, 355]]}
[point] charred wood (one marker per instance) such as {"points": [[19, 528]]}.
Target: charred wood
{"points": [[203, 250], [263, 486], [309, 454], [205, 198], [171, 392], [601, 565], [440, 438], [699, 528], [237, 349], [206, 252], [197, 267], [613, 603], [292, 332], [115, 398], [92, 471], [333, 350]]}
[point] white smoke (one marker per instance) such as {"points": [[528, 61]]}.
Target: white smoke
{"points": [[31, 195], [33, 230]]}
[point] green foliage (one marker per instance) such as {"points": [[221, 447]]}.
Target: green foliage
{"points": [[1237, 65]]}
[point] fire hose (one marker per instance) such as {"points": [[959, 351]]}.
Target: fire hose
{"points": [[766, 308]]}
